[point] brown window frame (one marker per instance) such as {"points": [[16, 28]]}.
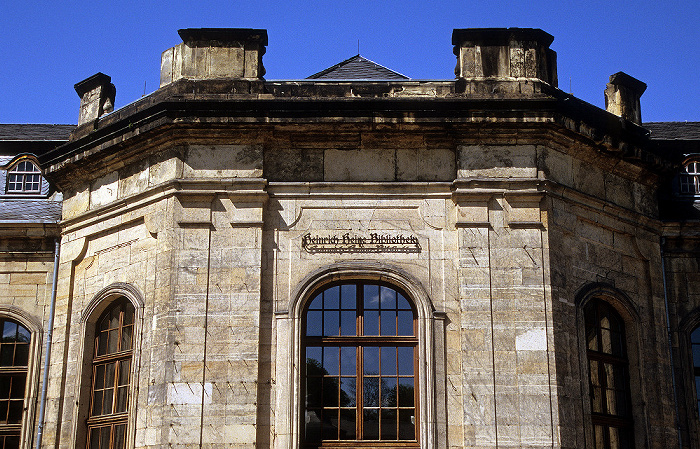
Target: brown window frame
{"points": [[115, 420], [359, 341], [616, 361]]}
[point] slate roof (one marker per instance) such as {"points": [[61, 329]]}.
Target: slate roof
{"points": [[674, 130], [358, 68], [30, 210], [35, 132]]}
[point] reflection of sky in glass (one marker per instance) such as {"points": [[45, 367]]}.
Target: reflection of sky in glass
{"points": [[371, 296], [331, 298], [9, 331], [371, 360], [389, 361], [330, 360], [405, 361], [388, 298], [348, 361], [348, 296]]}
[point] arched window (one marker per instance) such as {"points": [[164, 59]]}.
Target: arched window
{"points": [[360, 379], [608, 369], [24, 177], [14, 367], [111, 377], [695, 347]]}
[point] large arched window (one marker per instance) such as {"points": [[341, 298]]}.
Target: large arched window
{"points": [[695, 347], [360, 379], [111, 377], [608, 369], [14, 367]]}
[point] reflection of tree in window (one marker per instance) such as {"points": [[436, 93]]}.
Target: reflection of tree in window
{"points": [[111, 369], [360, 366], [14, 361], [611, 411]]}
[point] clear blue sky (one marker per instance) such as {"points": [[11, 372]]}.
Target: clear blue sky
{"points": [[47, 47]]}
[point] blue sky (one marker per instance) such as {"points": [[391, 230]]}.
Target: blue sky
{"points": [[47, 47]]}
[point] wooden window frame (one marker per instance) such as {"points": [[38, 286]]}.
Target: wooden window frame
{"points": [[360, 341], [618, 362], [14, 371], [115, 418]]}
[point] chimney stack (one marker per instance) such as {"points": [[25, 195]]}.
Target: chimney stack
{"points": [[622, 96], [96, 97], [505, 53], [215, 53]]}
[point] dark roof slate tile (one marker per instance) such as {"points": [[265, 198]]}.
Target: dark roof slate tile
{"points": [[35, 132], [673, 130], [358, 68]]}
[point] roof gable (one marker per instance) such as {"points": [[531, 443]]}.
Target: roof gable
{"points": [[358, 68]]}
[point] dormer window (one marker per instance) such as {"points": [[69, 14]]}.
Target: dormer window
{"points": [[24, 177]]}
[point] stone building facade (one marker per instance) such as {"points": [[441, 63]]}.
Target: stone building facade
{"points": [[358, 259]]}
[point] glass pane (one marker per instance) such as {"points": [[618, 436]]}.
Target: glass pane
{"points": [[405, 361], [388, 298], [329, 430], [695, 336], [348, 296], [107, 401], [128, 314], [114, 317], [388, 322], [370, 392], [347, 424], [9, 331], [97, 403], [389, 361], [348, 392], [331, 298], [348, 322], [122, 399], [389, 392], [405, 319], [21, 354], [330, 391], [18, 384], [109, 374], [371, 424], [95, 439], [696, 355], [102, 343], [99, 377], [614, 438], [7, 354], [312, 429], [348, 361], [313, 357], [371, 293], [597, 400], [605, 343], [104, 437], [371, 321], [126, 338], [314, 323], [331, 323], [402, 302], [113, 341], [3, 411], [316, 303], [389, 424], [12, 442], [331, 361], [104, 324], [23, 334], [14, 414], [406, 392], [371, 360], [119, 436], [313, 392], [593, 369], [124, 372], [407, 424], [5, 382]]}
